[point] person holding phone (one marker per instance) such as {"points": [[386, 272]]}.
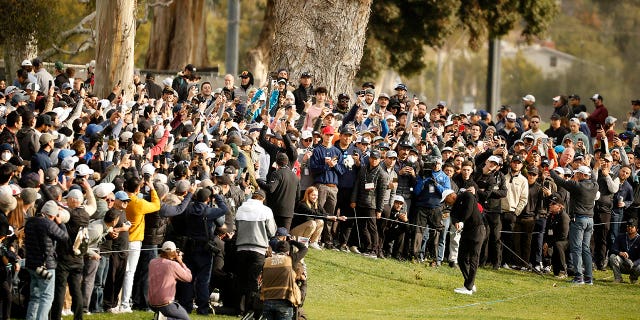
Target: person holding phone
{"points": [[164, 272]]}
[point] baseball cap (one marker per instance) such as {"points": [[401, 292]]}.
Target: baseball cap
{"points": [[26, 63], [102, 190], [556, 98], [391, 154], [495, 159], [83, 170], [529, 97], [555, 198], [306, 134], [46, 138], [75, 194], [610, 120], [632, 222], [328, 130], [608, 157], [401, 86], [50, 208], [446, 193], [383, 95], [596, 97], [584, 170], [511, 116], [169, 246], [306, 74], [182, 186], [122, 196], [398, 199], [282, 231], [375, 154]]}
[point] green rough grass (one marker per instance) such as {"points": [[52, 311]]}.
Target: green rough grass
{"points": [[348, 286]]}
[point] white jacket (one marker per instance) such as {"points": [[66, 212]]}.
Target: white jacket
{"points": [[517, 193]]}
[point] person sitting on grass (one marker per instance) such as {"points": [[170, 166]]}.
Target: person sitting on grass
{"points": [[625, 254], [309, 220]]}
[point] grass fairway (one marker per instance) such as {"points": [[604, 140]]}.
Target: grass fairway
{"points": [[349, 286]]}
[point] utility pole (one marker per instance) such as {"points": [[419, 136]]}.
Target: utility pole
{"points": [[231, 52], [493, 76]]}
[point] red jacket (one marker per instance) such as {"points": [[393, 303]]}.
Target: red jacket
{"points": [[597, 117]]}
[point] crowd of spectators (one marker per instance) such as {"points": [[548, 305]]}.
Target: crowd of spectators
{"points": [[92, 187]]}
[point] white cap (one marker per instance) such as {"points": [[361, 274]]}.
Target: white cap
{"points": [[202, 148], [511, 116], [556, 98], [529, 97], [102, 190], [446, 193], [75, 194], [584, 170], [26, 63], [306, 134], [398, 199], [161, 177], [83, 170], [610, 120], [33, 86], [50, 208], [390, 117], [559, 170], [68, 163], [167, 81], [169, 246], [148, 168], [495, 159], [596, 96]]}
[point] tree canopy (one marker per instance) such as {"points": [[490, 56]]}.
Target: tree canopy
{"points": [[400, 30]]}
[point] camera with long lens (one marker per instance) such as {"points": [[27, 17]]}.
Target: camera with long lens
{"points": [[43, 273], [429, 164]]}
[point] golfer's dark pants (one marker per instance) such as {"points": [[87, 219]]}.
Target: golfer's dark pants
{"points": [[508, 225], [601, 221], [493, 251], [469, 253], [368, 228], [199, 260], [559, 258], [344, 227], [115, 277], [70, 273], [249, 269], [421, 220], [522, 240]]}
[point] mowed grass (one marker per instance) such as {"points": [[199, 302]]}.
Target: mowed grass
{"points": [[348, 286]]}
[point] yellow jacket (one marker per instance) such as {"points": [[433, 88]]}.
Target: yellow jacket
{"points": [[136, 210]]}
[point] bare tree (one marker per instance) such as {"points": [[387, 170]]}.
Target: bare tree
{"points": [[178, 36], [257, 59], [323, 37], [116, 31]]}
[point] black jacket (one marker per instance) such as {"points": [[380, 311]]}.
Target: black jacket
{"points": [[491, 188], [306, 213], [282, 188], [466, 210], [372, 198], [40, 237], [79, 218], [583, 194], [199, 212], [300, 94]]}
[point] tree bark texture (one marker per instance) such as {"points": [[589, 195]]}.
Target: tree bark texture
{"points": [[257, 59], [324, 37], [14, 52], [116, 31], [178, 36]]}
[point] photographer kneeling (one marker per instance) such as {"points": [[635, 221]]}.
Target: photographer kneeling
{"points": [[163, 273]]}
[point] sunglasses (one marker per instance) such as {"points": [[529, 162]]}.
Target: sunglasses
{"points": [[110, 200], [307, 140]]}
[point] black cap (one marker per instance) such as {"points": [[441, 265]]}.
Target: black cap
{"points": [[574, 96], [261, 193], [368, 84], [345, 130], [375, 154], [343, 96], [306, 74], [516, 158], [190, 67], [555, 116], [555, 198], [635, 102], [632, 222], [505, 108]]}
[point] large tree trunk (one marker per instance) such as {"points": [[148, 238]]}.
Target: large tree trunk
{"points": [[323, 37], [257, 60], [14, 52], [178, 36], [116, 31]]}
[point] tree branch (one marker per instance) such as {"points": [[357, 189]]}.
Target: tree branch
{"points": [[147, 10], [64, 36]]}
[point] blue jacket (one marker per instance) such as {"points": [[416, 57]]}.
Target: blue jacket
{"points": [[347, 180], [40, 160], [322, 173], [197, 212], [428, 190]]}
